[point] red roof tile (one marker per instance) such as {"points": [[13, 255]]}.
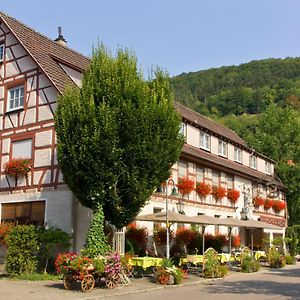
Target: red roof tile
{"points": [[45, 52]]}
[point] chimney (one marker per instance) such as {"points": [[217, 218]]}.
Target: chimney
{"points": [[60, 39]]}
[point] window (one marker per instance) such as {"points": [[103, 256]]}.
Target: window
{"points": [[215, 179], [238, 155], [1, 52], [156, 225], [253, 162], [204, 141], [217, 227], [222, 148], [16, 98], [183, 129], [268, 168], [182, 169], [24, 213], [22, 149], [199, 174], [229, 180]]}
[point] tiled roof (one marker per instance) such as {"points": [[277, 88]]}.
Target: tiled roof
{"points": [[208, 124], [45, 52], [222, 162]]}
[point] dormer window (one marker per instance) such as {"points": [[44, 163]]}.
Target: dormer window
{"points": [[238, 155], [16, 98], [1, 52], [268, 168], [253, 162], [222, 148], [182, 130], [204, 141]]}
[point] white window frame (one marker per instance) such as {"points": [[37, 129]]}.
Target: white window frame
{"points": [[1, 52], [222, 148], [238, 155], [204, 141], [183, 130], [253, 162], [17, 100], [268, 167]]}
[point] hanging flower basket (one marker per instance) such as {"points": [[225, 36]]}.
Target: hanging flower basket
{"points": [[233, 195], [218, 192], [268, 203], [278, 206], [185, 185], [20, 166], [203, 189], [258, 201]]}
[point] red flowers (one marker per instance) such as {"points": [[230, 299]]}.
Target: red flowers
{"points": [[203, 189], [185, 185], [236, 241], [279, 205], [258, 201], [233, 195], [20, 166], [218, 192], [268, 203]]}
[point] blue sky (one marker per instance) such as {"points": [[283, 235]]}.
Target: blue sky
{"points": [[179, 36]]}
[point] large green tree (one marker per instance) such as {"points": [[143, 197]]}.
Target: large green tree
{"points": [[118, 136]]}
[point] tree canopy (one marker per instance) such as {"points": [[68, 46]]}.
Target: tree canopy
{"points": [[118, 136]]}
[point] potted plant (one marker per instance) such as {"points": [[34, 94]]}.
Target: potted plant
{"points": [[185, 185], [279, 205], [268, 203], [218, 192], [233, 195], [203, 189], [258, 201], [18, 166]]}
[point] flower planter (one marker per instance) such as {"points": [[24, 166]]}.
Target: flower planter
{"points": [[218, 192], [185, 185], [203, 189], [233, 195]]}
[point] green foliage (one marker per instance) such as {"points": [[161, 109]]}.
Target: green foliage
{"points": [[249, 264], [276, 260], [247, 88], [118, 136], [293, 237], [290, 260], [137, 238], [37, 277], [211, 264], [51, 239], [22, 243], [166, 263], [96, 243]]}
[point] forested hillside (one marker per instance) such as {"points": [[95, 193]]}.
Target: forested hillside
{"points": [[247, 88]]}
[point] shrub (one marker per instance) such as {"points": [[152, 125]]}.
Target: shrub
{"points": [[276, 260], [160, 235], [217, 242], [211, 264], [22, 243], [249, 264], [290, 260], [136, 238], [162, 276], [185, 235]]}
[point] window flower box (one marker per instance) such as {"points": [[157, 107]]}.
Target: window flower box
{"points": [[203, 189], [185, 185], [16, 167], [279, 205], [268, 203], [218, 192], [233, 195], [258, 201]]}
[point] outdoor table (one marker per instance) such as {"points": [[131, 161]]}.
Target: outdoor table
{"points": [[194, 259], [259, 254], [145, 262], [224, 257]]}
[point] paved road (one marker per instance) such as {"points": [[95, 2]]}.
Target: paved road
{"points": [[269, 284]]}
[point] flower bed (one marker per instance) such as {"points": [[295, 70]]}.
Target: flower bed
{"points": [[203, 189], [20, 166], [233, 195], [185, 185]]}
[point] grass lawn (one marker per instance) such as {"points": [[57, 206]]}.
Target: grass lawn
{"points": [[35, 277]]}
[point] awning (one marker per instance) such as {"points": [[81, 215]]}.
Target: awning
{"points": [[161, 217]]}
